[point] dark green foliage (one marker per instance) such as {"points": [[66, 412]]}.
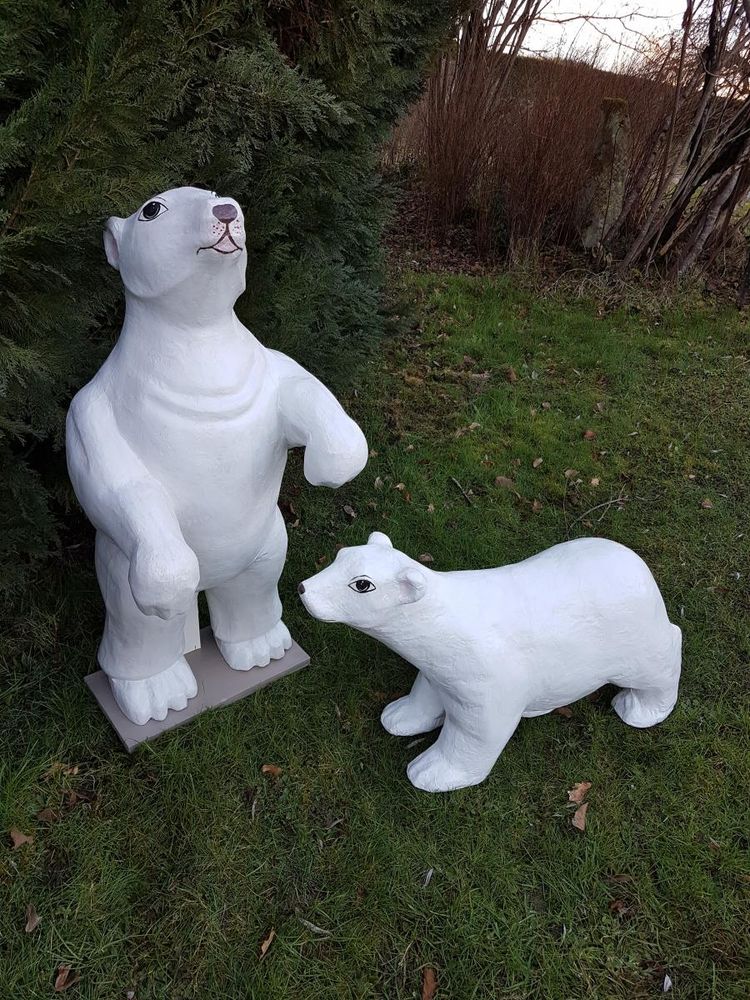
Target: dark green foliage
{"points": [[279, 104]]}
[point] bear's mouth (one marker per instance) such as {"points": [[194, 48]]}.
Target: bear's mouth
{"points": [[224, 245]]}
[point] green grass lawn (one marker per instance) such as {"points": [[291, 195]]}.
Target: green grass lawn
{"points": [[163, 872]]}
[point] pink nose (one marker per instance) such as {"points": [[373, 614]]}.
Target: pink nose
{"points": [[225, 213]]}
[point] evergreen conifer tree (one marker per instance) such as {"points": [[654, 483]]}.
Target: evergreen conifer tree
{"points": [[280, 104]]}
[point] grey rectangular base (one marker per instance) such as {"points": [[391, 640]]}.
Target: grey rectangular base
{"points": [[217, 683]]}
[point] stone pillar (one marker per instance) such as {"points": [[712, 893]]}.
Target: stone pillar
{"points": [[602, 198]]}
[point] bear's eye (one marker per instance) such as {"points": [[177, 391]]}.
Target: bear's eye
{"points": [[362, 585], [152, 210]]}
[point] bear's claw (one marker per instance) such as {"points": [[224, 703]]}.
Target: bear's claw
{"points": [[257, 652]]}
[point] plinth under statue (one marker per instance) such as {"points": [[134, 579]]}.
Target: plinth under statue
{"points": [[177, 448]]}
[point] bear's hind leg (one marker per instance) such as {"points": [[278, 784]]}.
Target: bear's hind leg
{"points": [[141, 654], [420, 711], [651, 703], [246, 610]]}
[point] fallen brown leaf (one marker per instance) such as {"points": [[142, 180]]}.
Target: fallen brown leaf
{"points": [[426, 558], [589, 435], [578, 792], [60, 767], [565, 711], [267, 942], [18, 839], [65, 978], [72, 798], [511, 374], [349, 511], [378, 484], [546, 406], [579, 817], [600, 407], [707, 504], [48, 815], [430, 508], [570, 473], [429, 983], [536, 506], [595, 481], [273, 769], [537, 462], [32, 919], [507, 484], [619, 907]]}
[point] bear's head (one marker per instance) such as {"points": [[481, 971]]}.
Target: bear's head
{"points": [[184, 247], [365, 586]]}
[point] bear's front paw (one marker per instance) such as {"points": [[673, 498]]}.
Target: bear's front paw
{"points": [[405, 718], [164, 579], [325, 467], [431, 771]]}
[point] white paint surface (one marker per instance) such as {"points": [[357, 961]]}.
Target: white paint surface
{"points": [[494, 646], [176, 450]]}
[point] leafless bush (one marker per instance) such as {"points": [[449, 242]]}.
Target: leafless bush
{"points": [[516, 169], [463, 95], [544, 142], [701, 173], [506, 143]]}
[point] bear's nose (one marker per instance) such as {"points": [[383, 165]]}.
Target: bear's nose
{"points": [[225, 213], [301, 589]]}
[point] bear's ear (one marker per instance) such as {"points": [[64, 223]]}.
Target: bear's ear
{"points": [[378, 538], [412, 584], [112, 234]]}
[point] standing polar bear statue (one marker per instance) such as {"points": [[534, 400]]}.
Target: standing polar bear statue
{"points": [[494, 646], [176, 450]]}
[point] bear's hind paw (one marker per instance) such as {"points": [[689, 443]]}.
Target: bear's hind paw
{"points": [[142, 699], [257, 652]]}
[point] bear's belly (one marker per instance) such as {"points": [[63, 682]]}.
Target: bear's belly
{"points": [[222, 471]]}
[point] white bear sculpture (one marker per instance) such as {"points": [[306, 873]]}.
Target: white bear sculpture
{"points": [[494, 646], [177, 447]]}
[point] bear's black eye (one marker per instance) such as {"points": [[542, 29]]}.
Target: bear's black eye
{"points": [[362, 585], [151, 210]]}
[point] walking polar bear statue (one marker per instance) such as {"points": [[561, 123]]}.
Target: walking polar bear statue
{"points": [[176, 450], [494, 646]]}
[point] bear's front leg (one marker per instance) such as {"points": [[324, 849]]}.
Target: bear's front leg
{"points": [[335, 448], [471, 740], [246, 610], [142, 654], [420, 711]]}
